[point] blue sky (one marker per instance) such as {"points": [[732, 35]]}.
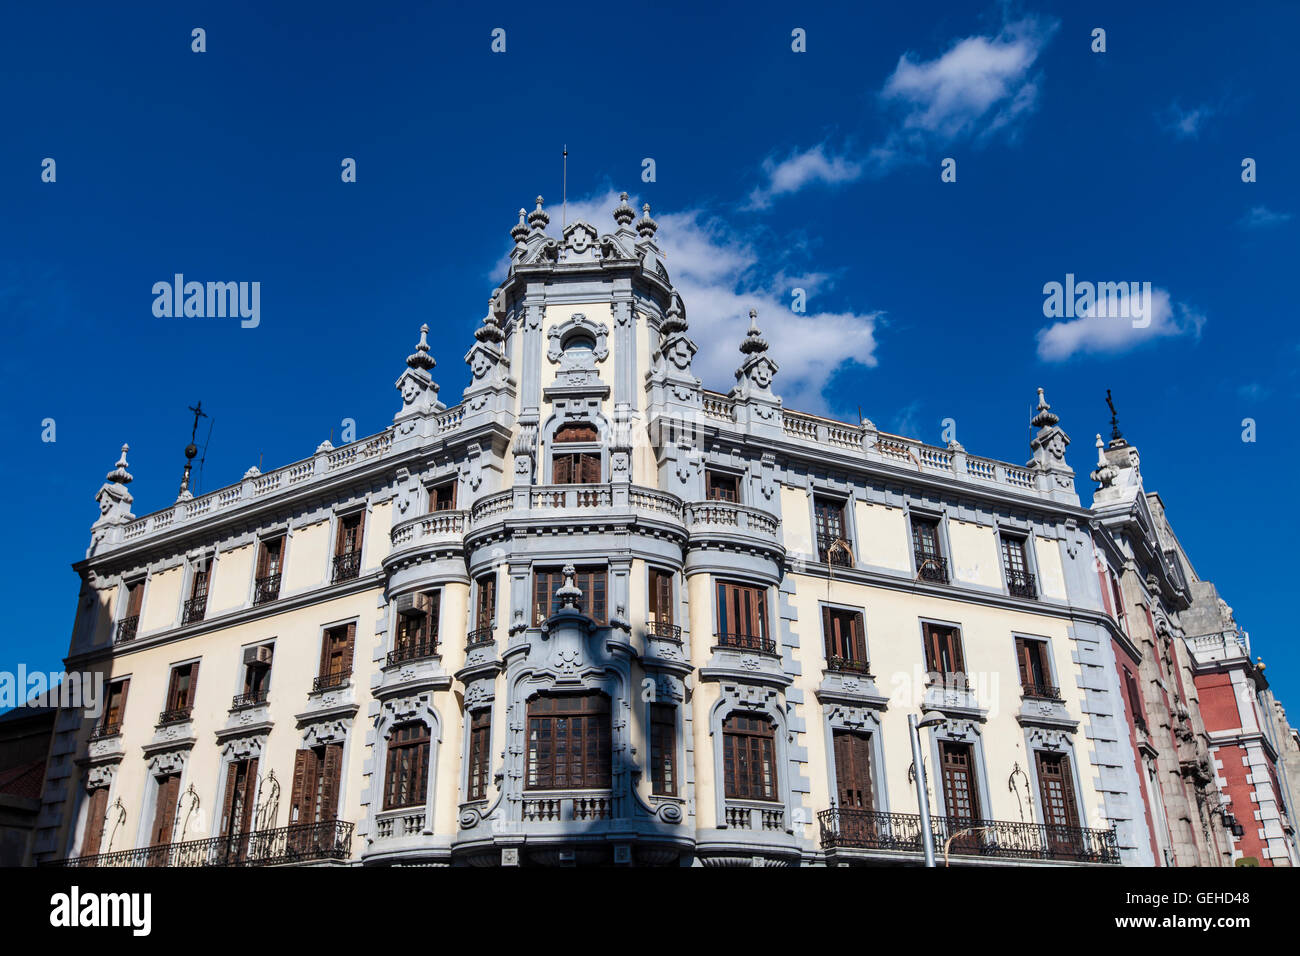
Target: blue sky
{"points": [[774, 170]]}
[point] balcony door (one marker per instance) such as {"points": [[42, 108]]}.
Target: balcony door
{"points": [[166, 802], [960, 793], [576, 456], [1056, 796], [237, 808]]}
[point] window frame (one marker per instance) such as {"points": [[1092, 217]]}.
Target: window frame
{"points": [[756, 606], [407, 765], [587, 574], [711, 474], [945, 676], [733, 787], [596, 712], [857, 639]]}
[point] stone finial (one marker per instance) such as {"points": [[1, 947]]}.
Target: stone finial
{"points": [[646, 227], [538, 218], [1105, 473], [674, 320], [490, 330], [520, 231], [1045, 418], [754, 343], [119, 475], [569, 593], [421, 358], [623, 213]]}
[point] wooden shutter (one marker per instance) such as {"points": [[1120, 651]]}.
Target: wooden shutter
{"points": [[134, 599], [194, 684], [349, 641], [95, 814], [661, 591], [329, 808], [853, 770], [164, 814], [1022, 659], [306, 768], [562, 469], [228, 803], [590, 469], [487, 601], [959, 788], [1056, 790], [116, 702]]}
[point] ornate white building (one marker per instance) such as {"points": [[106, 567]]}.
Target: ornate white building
{"points": [[597, 613]]}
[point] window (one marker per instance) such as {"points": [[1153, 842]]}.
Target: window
{"points": [[1056, 795], [1020, 581], [485, 611], [240, 800], [96, 812], [196, 606], [578, 465], [1035, 671], [316, 775], [568, 742], [480, 754], [166, 802], [417, 627], [347, 547], [1135, 700], [720, 487], [660, 591], [442, 497], [336, 657], [846, 644], [742, 617], [590, 580], [115, 708], [663, 749], [257, 675], [749, 757], [930, 562], [853, 770], [128, 626], [270, 567], [943, 656], [832, 537], [959, 786], [407, 776], [180, 693]]}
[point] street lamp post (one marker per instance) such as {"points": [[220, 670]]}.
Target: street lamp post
{"points": [[914, 725]]}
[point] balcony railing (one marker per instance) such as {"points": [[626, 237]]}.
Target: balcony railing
{"points": [[412, 651], [480, 636], [848, 665], [266, 588], [194, 609], [244, 701], [106, 730], [834, 551], [664, 631], [331, 681], [175, 716], [1041, 691], [1021, 584], [126, 629], [347, 566], [748, 642], [298, 843], [851, 828], [931, 567]]}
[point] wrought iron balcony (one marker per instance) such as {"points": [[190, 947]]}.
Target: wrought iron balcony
{"points": [[266, 588], [175, 716], [331, 681], [245, 701], [748, 642], [298, 843], [106, 730], [931, 567], [1021, 584], [1041, 691], [480, 636], [848, 665], [834, 551], [126, 629], [664, 631], [194, 609], [412, 651], [347, 566], [859, 829]]}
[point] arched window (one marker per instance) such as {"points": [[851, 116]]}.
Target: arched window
{"points": [[577, 465], [568, 742], [407, 776], [749, 757]]}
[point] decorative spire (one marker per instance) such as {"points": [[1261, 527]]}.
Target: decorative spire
{"points": [[673, 321], [623, 213], [1114, 419], [538, 218], [119, 475], [421, 358], [520, 231], [569, 593], [1105, 472], [754, 342], [490, 331], [646, 226], [191, 452], [1045, 417]]}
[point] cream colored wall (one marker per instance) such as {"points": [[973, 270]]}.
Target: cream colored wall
{"points": [[882, 538], [974, 554], [306, 557], [231, 578], [795, 521], [645, 471], [704, 695], [377, 543], [452, 630], [161, 599], [1051, 574], [597, 312]]}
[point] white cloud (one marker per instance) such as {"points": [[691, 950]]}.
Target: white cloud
{"points": [[1261, 216], [721, 276], [980, 86], [800, 169], [1108, 332], [1186, 124]]}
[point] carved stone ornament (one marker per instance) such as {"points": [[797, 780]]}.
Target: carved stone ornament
{"points": [[559, 335]]}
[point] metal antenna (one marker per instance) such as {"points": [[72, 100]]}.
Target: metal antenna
{"points": [[564, 192], [204, 457]]}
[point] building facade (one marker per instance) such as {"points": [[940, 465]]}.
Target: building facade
{"points": [[596, 613]]}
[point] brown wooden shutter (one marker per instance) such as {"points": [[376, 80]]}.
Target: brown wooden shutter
{"points": [[348, 644], [304, 786], [164, 814], [1022, 659], [194, 684], [561, 469], [95, 814], [329, 809], [134, 599], [250, 796], [228, 802], [590, 469], [853, 770]]}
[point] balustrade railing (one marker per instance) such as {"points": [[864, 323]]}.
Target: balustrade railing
{"points": [[297, 843], [748, 642]]}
